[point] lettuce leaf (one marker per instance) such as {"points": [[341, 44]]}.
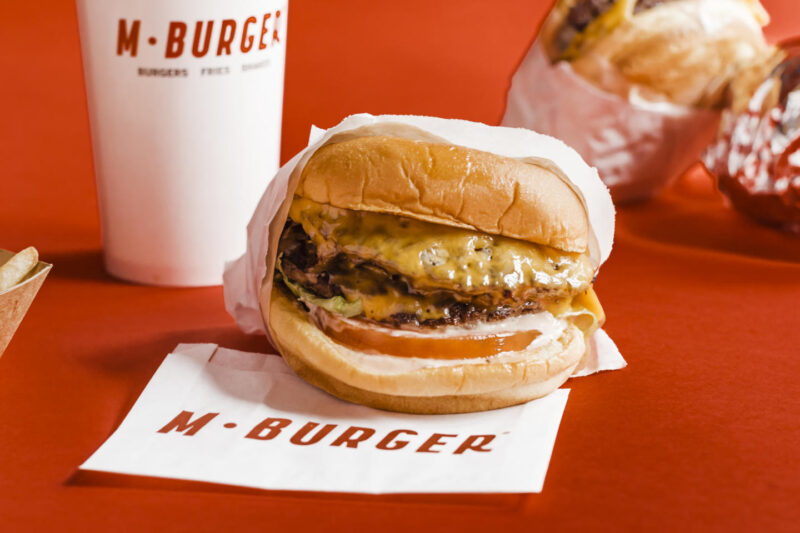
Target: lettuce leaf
{"points": [[338, 304]]}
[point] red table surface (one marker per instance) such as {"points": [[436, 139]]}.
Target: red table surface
{"points": [[701, 430]]}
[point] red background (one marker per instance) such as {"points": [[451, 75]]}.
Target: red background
{"points": [[702, 430]]}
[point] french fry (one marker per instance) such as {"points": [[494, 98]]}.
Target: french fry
{"points": [[16, 268]]}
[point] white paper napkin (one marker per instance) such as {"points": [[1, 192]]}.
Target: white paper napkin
{"points": [[224, 416]]}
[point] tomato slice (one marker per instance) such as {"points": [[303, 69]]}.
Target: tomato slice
{"points": [[375, 339]]}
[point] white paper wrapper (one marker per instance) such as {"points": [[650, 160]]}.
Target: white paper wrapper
{"points": [[205, 414], [243, 278], [637, 146]]}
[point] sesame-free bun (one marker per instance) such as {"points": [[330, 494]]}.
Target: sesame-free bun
{"points": [[323, 362], [449, 185]]}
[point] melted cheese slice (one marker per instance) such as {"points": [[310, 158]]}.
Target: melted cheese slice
{"points": [[599, 27], [433, 256]]}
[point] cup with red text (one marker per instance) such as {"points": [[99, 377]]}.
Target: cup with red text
{"points": [[185, 102]]}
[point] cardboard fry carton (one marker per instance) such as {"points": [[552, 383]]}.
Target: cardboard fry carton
{"points": [[14, 302]]}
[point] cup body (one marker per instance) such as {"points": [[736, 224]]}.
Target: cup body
{"points": [[185, 100]]}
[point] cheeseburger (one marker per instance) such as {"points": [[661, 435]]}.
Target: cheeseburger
{"points": [[425, 277], [682, 51]]}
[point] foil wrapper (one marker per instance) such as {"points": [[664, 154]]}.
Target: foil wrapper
{"points": [[637, 145], [756, 157]]}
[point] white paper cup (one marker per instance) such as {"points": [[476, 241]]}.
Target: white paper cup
{"points": [[185, 101]]}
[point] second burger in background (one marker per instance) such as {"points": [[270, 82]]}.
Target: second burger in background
{"points": [[681, 51], [635, 86]]}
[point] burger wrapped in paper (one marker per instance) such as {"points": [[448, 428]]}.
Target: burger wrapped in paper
{"points": [[426, 265], [756, 157], [634, 85]]}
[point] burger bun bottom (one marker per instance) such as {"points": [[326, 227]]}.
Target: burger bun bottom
{"points": [[328, 365]]}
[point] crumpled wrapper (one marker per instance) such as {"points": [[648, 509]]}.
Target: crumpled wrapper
{"points": [[756, 157], [246, 278], [14, 302], [636, 145]]}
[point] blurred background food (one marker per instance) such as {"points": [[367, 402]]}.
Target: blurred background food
{"points": [[756, 156], [681, 51], [636, 86]]}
